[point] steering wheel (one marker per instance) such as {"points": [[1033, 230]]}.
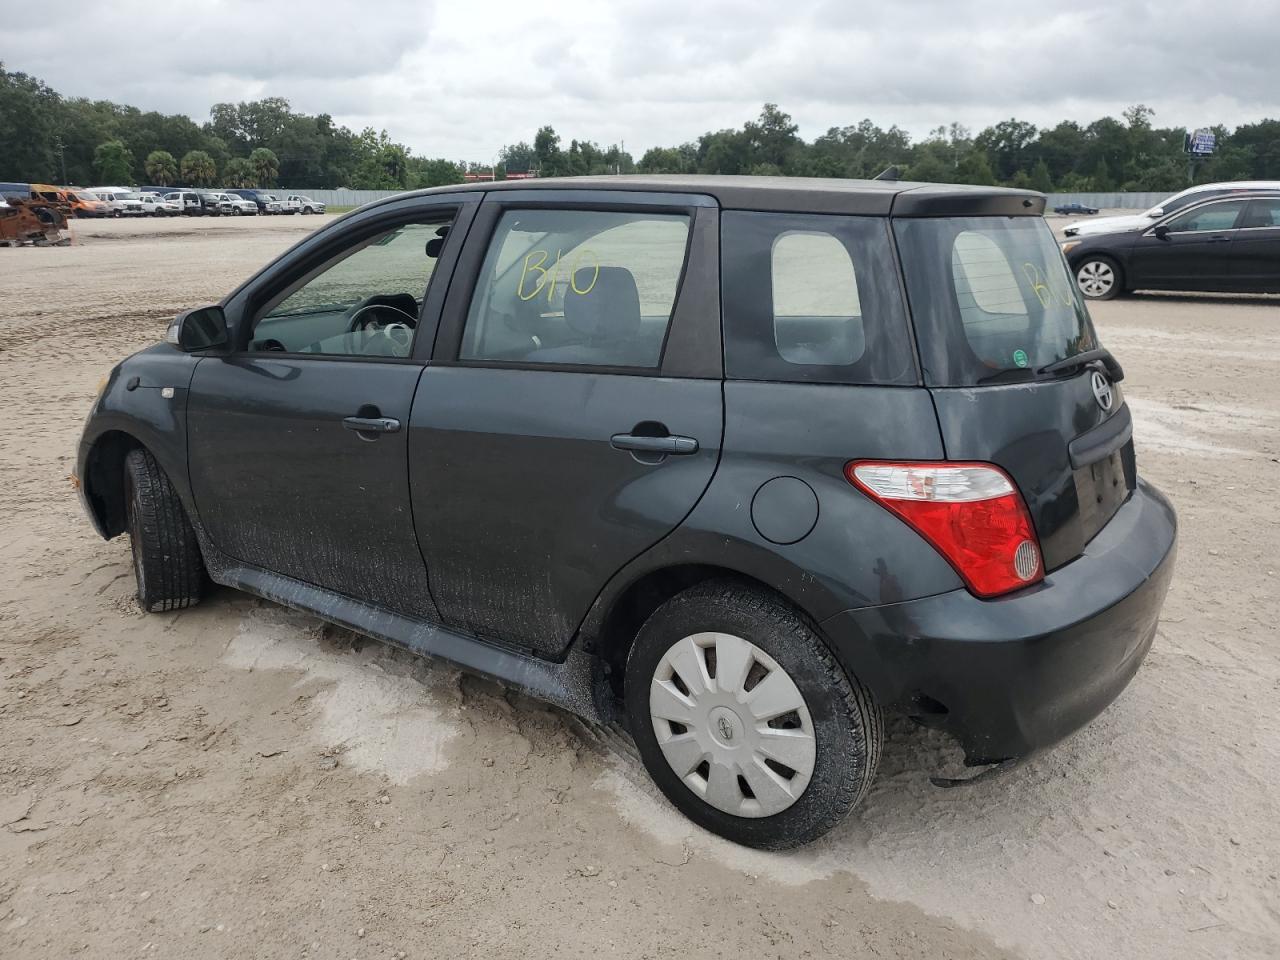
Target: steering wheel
{"points": [[395, 326], [363, 315]]}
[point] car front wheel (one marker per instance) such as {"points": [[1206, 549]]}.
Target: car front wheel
{"points": [[1099, 278], [166, 556], [744, 719]]}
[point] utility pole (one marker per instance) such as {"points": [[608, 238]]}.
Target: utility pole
{"points": [[62, 157]]}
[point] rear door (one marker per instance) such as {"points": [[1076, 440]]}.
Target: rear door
{"points": [[572, 416], [1255, 256], [1195, 253], [993, 303]]}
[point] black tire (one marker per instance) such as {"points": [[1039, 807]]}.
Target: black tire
{"points": [[235, 211], [166, 555], [846, 721], [307, 210], [1099, 262]]}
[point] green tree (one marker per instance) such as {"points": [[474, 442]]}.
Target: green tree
{"points": [[974, 168], [437, 173], [929, 169], [29, 113], [161, 168], [239, 172], [265, 167], [546, 149], [198, 168], [1040, 177], [1102, 181], [113, 163]]}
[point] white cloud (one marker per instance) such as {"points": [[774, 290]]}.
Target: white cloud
{"points": [[460, 80]]}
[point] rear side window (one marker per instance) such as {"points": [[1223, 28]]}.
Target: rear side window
{"points": [[812, 298], [578, 287], [991, 298], [1262, 213]]}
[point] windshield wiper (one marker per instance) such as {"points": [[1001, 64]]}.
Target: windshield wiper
{"points": [[1114, 370]]}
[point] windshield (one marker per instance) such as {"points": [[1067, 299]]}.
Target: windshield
{"points": [[992, 299]]}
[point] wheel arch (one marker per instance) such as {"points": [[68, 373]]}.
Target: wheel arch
{"points": [[103, 479], [612, 624]]}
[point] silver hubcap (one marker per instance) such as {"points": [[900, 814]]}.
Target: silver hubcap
{"points": [[732, 725], [1095, 278]]}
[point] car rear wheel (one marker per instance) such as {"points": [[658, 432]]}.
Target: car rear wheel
{"points": [[744, 719], [1099, 278], [166, 556]]}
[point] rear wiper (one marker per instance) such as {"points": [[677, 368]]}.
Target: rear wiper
{"points": [[1114, 370], [1012, 374]]}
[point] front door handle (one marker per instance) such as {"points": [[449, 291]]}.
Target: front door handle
{"points": [[1219, 239], [678, 446], [372, 424]]}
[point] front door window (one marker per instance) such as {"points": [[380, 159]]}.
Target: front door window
{"points": [[366, 303]]}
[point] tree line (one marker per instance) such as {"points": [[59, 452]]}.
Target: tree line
{"points": [[45, 137]]}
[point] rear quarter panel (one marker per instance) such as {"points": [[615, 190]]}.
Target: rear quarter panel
{"points": [[856, 554]]}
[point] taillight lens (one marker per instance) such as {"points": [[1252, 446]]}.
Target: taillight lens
{"points": [[970, 512]]}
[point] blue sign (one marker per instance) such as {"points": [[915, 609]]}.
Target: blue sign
{"points": [[1202, 142]]}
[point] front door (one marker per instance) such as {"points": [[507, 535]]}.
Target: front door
{"points": [[1195, 253], [298, 442], [551, 443]]}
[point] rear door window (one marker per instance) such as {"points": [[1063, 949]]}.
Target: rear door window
{"points": [[812, 298], [1262, 214], [991, 298], [577, 287]]}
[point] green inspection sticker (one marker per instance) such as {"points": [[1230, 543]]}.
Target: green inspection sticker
{"points": [[1020, 357]]}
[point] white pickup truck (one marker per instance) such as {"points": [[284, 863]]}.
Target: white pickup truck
{"points": [[301, 204]]}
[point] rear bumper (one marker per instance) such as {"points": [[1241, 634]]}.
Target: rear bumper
{"points": [[1015, 674]]}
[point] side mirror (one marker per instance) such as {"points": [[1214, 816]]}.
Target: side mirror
{"points": [[1161, 231], [200, 328], [1156, 213]]}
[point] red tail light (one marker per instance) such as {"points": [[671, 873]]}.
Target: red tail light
{"points": [[970, 512]]}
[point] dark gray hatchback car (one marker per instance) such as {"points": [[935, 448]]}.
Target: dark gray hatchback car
{"points": [[739, 462]]}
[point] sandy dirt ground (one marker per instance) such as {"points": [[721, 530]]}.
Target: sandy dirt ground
{"points": [[241, 781]]}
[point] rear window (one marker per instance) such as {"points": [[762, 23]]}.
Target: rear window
{"points": [[991, 297], [812, 298]]}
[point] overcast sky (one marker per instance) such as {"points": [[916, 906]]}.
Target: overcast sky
{"points": [[461, 79]]}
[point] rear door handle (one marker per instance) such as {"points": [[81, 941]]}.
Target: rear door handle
{"points": [[672, 445], [371, 424], [1219, 239]]}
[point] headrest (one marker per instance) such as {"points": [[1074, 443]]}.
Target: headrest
{"points": [[609, 310]]}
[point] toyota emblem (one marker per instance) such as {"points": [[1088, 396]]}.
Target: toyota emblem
{"points": [[726, 728], [1101, 390]]}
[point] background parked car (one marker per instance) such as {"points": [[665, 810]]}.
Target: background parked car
{"points": [[155, 205], [120, 202], [1069, 208], [241, 206], [85, 204], [1227, 244], [215, 202], [188, 201], [289, 204], [1167, 206], [265, 202], [306, 204], [124, 203]]}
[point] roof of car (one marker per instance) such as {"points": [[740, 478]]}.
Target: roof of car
{"points": [[899, 198]]}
